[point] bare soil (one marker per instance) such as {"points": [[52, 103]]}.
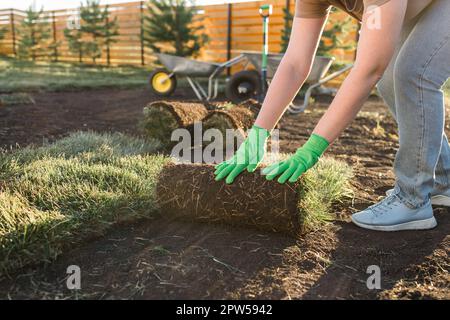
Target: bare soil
{"points": [[166, 259]]}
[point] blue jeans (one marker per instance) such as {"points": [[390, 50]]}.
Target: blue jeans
{"points": [[412, 88]]}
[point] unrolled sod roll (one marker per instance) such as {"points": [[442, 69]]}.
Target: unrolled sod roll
{"points": [[161, 118]]}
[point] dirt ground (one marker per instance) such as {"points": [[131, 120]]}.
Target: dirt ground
{"points": [[163, 259]]}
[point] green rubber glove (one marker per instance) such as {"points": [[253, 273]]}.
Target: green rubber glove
{"points": [[303, 159], [248, 156]]}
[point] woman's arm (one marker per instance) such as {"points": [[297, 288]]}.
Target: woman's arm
{"points": [[380, 33], [292, 71]]}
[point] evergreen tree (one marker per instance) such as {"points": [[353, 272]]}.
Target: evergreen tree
{"points": [[333, 36], [93, 19], [169, 27], [96, 31], [286, 32], [2, 36], [34, 34], [111, 31], [3, 33], [54, 44], [76, 46], [53, 48]]}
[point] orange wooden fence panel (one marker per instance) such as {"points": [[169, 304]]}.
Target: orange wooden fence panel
{"points": [[246, 31]]}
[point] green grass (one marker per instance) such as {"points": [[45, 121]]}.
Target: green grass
{"points": [[15, 98], [323, 186], [56, 196], [17, 75]]}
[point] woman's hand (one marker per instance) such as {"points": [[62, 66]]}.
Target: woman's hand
{"points": [[304, 159], [248, 156]]}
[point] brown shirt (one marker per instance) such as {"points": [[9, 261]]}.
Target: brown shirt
{"points": [[320, 8]]}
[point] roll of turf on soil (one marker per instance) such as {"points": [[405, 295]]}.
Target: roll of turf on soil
{"points": [[161, 118], [239, 119], [251, 104], [189, 192]]}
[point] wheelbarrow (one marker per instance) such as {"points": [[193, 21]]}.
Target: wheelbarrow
{"points": [[246, 84], [163, 81]]}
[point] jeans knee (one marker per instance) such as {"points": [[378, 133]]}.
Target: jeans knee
{"points": [[406, 73], [385, 88]]}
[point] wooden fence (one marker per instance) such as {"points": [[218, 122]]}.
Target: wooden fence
{"points": [[231, 28]]}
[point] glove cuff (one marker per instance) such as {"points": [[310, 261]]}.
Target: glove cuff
{"points": [[317, 144], [261, 131]]}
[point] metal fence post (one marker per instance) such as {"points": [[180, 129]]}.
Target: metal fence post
{"points": [[13, 33], [229, 34], [108, 48], [142, 34], [55, 52]]}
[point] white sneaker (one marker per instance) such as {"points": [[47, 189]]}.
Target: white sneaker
{"points": [[391, 214], [436, 199]]}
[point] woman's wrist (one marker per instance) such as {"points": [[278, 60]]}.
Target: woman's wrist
{"points": [[317, 144]]}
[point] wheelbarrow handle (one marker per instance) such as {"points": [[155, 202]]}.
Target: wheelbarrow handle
{"points": [[265, 10]]}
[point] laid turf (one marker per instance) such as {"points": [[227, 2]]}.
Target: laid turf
{"points": [[55, 196]]}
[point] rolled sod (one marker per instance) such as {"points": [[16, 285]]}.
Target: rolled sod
{"points": [[251, 104], [189, 191], [232, 118], [239, 119], [161, 118]]}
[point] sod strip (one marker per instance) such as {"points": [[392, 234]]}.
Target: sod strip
{"points": [[233, 118], [161, 118], [251, 104], [189, 191], [239, 119]]}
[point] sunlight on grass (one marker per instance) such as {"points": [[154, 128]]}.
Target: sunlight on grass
{"points": [[16, 75], [327, 183], [55, 196]]}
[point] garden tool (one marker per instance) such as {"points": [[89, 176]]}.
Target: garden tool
{"points": [[265, 11]]}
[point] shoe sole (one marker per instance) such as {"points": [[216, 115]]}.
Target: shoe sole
{"points": [[413, 225], [437, 200], [440, 200]]}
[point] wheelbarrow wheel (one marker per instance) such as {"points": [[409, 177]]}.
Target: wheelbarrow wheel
{"points": [[243, 85], [161, 84]]}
